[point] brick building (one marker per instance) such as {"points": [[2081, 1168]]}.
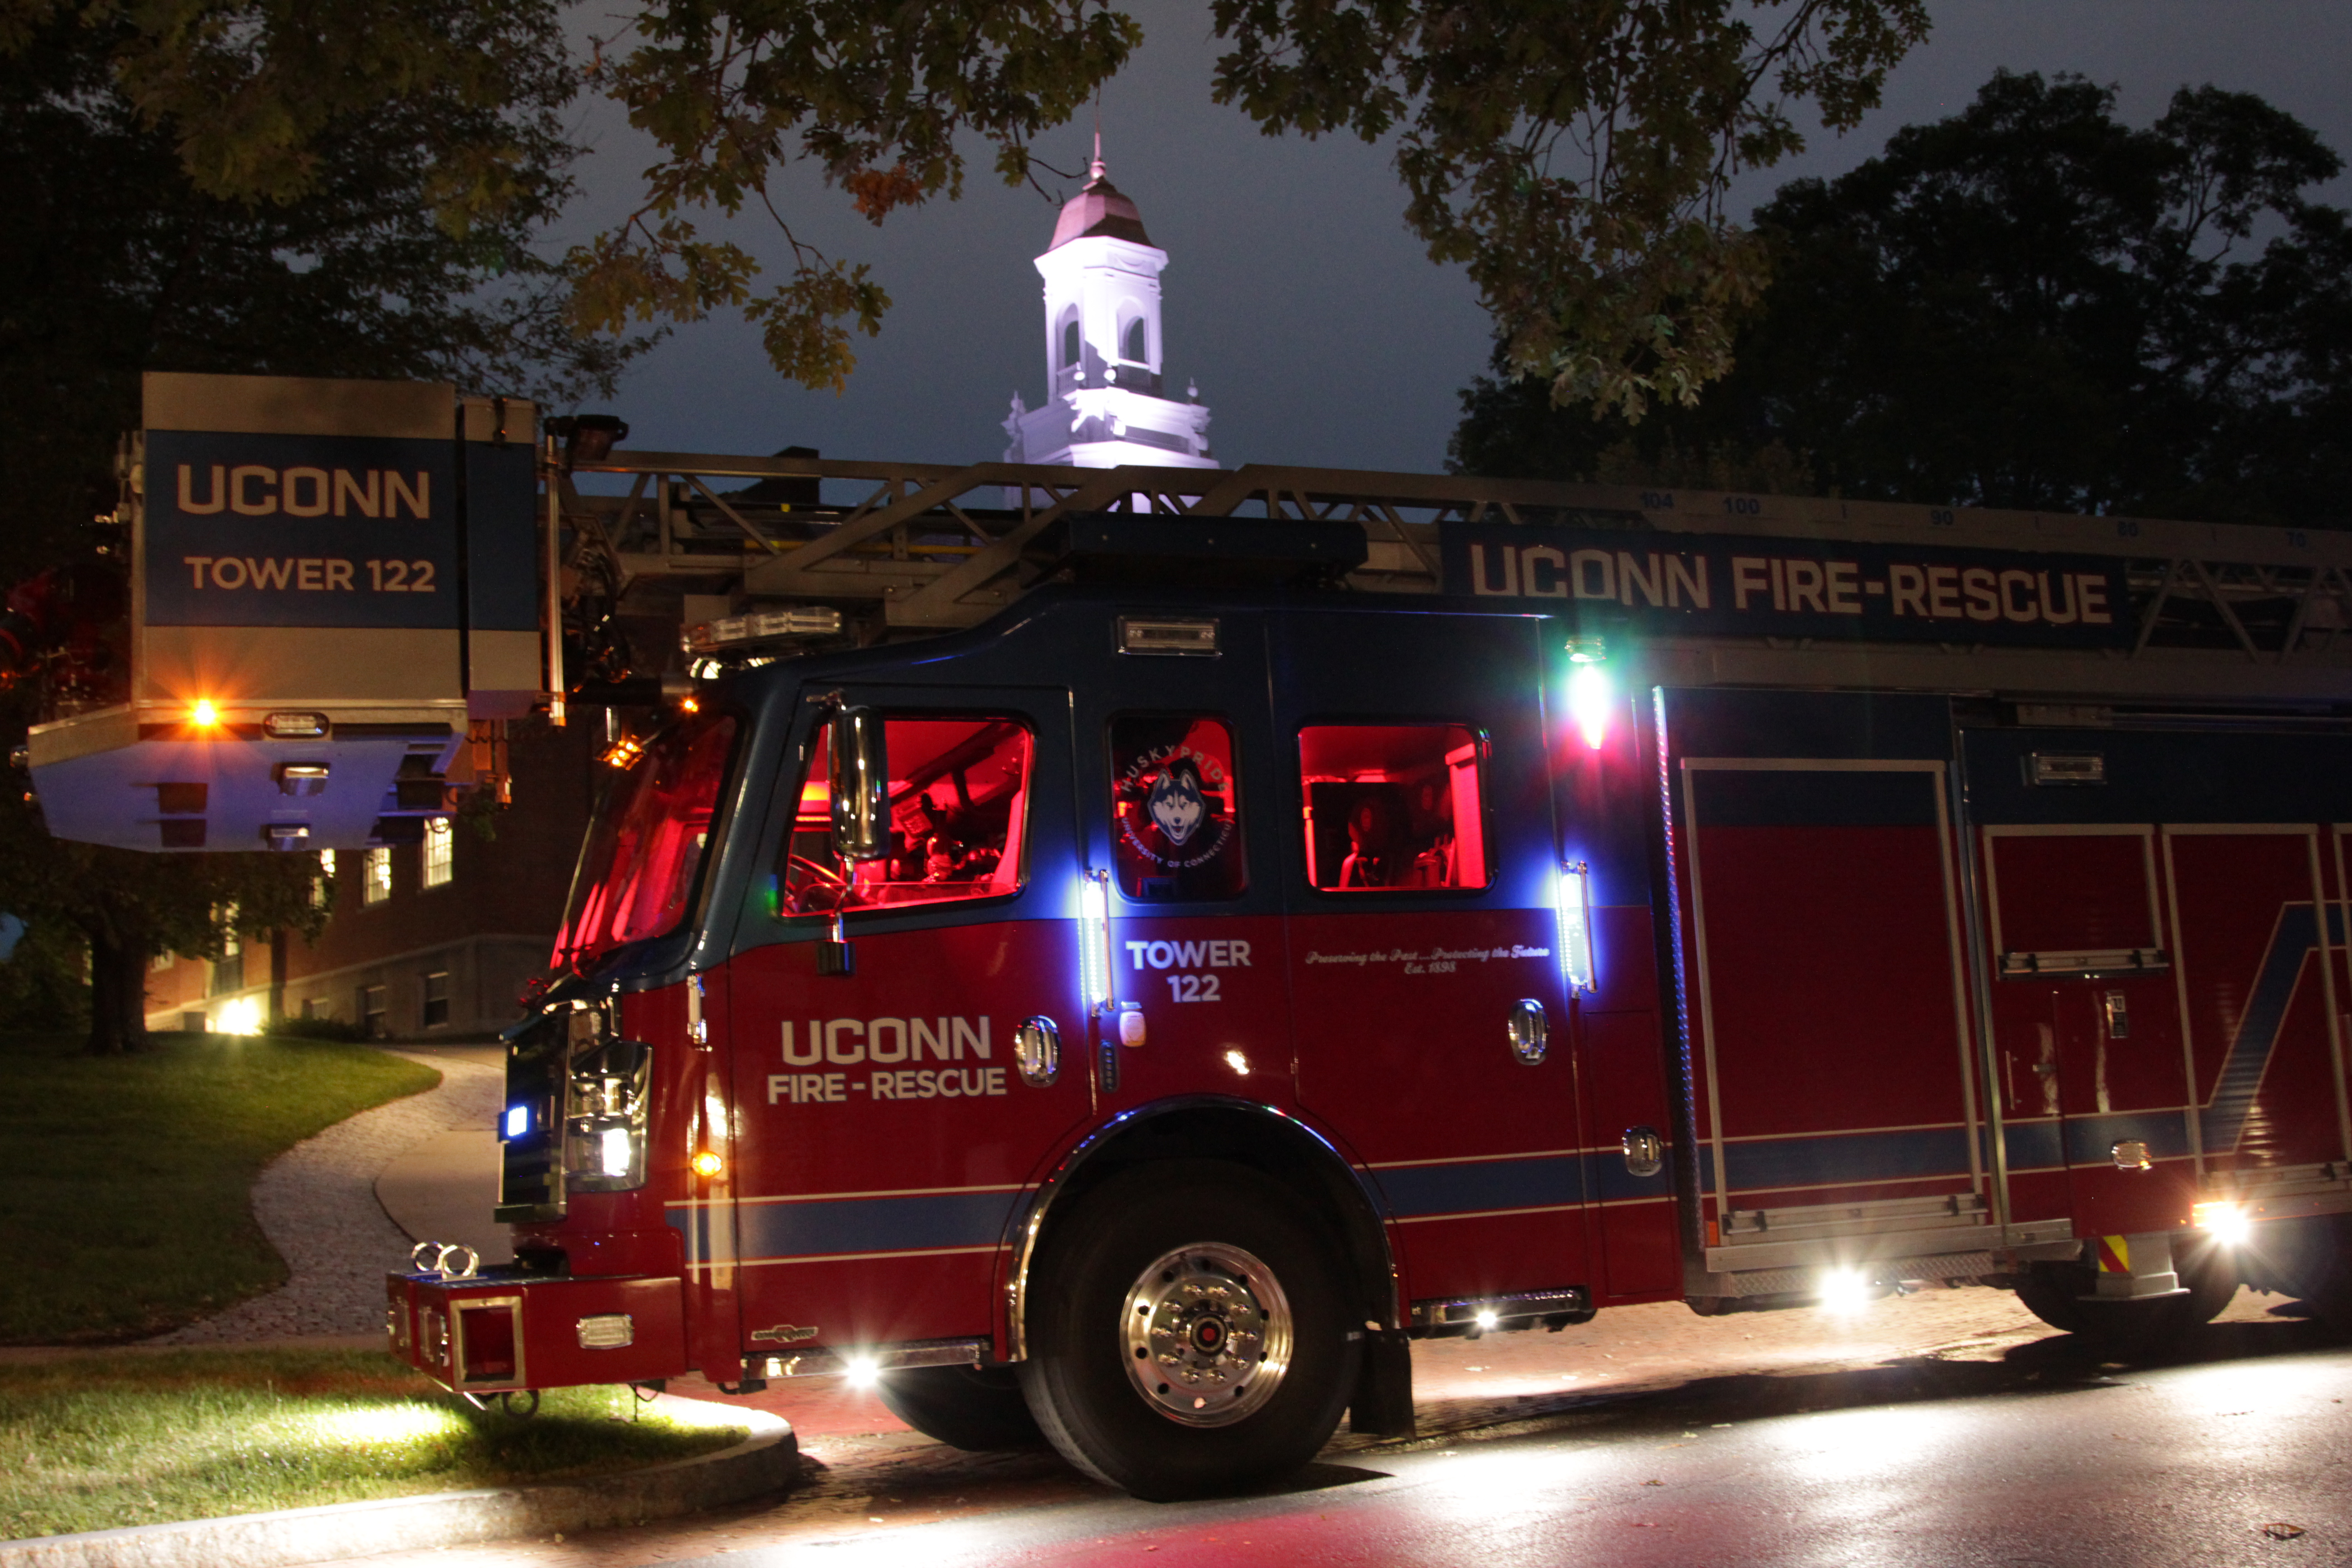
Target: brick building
{"points": [[426, 940]]}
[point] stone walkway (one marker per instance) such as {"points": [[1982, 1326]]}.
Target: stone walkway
{"points": [[316, 1204]]}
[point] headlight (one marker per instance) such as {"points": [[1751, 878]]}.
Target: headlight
{"points": [[607, 1098]]}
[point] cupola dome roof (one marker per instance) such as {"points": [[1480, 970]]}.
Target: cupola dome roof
{"points": [[1099, 209]]}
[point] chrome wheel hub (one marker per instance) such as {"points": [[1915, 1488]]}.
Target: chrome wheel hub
{"points": [[1208, 1334]]}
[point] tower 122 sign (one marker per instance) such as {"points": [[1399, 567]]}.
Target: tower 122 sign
{"points": [[248, 530], [1713, 584]]}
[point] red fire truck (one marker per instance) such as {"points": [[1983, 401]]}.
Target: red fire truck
{"points": [[1119, 968]]}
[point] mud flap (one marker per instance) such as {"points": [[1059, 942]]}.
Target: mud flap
{"points": [[1381, 1405]]}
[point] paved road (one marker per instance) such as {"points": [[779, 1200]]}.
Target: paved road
{"points": [[2005, 1447]]}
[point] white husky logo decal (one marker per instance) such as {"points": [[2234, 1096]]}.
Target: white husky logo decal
{"points": [[1175, 803]]}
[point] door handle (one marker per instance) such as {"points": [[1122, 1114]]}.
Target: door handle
{"points": [[1645, 1151], [1531, 1031]]}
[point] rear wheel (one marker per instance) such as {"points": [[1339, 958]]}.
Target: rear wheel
{"points": [[2056, 1294], [978, 1408], [1191, 1333], [2316, 1256]]}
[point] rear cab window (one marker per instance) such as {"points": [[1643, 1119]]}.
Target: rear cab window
{"points": [[1393, 807]]}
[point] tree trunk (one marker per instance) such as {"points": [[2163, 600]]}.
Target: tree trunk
{"points": [[117, 992]]}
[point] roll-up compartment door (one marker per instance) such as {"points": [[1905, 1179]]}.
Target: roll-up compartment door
{"points": [[1838, 1095]]}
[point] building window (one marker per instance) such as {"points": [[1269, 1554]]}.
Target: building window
{"points": [[437, 1000], [373, 1014], [379, 876], [309, 1006], [1131, 346], [322, 891], [440, 852], [1070, 343]]}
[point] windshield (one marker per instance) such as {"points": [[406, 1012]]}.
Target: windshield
{"points": [[637, 875]]}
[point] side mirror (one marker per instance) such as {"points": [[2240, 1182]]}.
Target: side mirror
{"points": [[860, 764]]}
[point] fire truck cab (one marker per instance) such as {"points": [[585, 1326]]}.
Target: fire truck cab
{"points": [[1135, 1017]]}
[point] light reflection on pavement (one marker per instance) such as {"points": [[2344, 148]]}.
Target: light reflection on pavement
{"points": [[1648, 1424]]}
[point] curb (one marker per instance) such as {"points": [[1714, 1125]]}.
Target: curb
{"points": [[766, 1462]]}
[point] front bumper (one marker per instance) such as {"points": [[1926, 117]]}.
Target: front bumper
{"points": [[506, 1330]]}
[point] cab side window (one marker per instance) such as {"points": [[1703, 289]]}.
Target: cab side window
{"points": [[1395, 807], [1176, 832], [959, 814]]}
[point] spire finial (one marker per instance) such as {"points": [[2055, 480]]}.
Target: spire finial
{"points": [[1094, 171]]}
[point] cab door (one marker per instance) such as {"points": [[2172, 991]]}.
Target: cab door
{"points": [[1423, 880], [1179, 791], [884, 1127]]}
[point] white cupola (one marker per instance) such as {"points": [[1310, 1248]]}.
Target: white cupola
{"points": [[1104, 403]]}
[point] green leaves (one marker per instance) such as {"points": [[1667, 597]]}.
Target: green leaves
{"points": [[1573, 154], [875, 95], [2028, 304], [807, 321]]}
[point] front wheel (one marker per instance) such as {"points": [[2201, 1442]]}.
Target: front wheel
{"points": [[977, 1408], [1190, 1334]]}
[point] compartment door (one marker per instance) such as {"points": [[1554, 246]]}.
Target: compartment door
{"points": [[1838, 1101], [2086, 1028]]}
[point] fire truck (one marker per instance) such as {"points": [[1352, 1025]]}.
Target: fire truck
{"points": [[1122, 965], [1113, 957]]}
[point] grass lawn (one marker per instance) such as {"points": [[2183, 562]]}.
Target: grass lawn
{"points": [[101, 1441], [125, 1182]]}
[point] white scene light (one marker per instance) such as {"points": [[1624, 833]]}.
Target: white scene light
{"points": [[864, 1371], [615, 1150], [2225, 1223], [1844, 1290], [518, 1120]]}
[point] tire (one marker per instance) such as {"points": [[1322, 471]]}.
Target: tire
{"points": [[977, 1408], [1238, 1357], [2053, 1292], [2316, 1255]]}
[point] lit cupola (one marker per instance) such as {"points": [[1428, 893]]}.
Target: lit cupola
{"points": [[1103, 353]]}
